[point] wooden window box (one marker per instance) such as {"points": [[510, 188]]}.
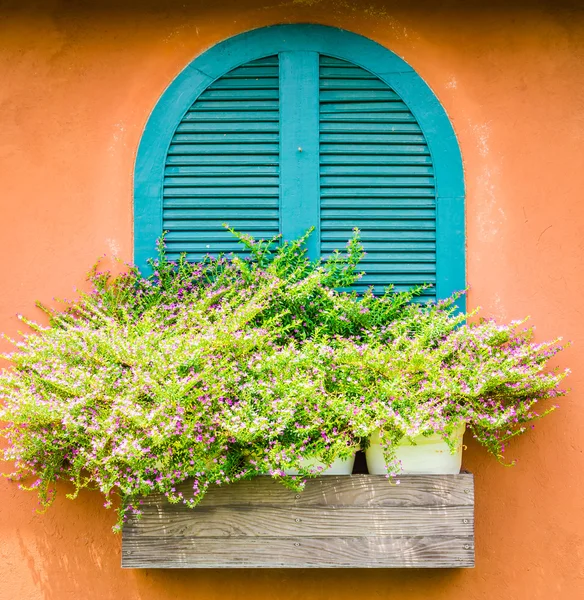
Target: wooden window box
{"points": [[345, 521]]}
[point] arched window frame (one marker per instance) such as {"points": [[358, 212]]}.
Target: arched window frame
{"points": [[252, 45]]}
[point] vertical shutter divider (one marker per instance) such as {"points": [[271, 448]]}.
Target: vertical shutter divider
{"points": [[299, 147]]}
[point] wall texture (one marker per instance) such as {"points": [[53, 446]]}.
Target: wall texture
{"points": [[77, 84]]}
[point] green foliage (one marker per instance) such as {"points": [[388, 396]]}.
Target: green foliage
{"points": [[233, 367]]}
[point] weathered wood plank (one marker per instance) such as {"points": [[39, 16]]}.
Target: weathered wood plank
{"points": [[359, 552], [355, 490], [345, 521], [267, 521]]}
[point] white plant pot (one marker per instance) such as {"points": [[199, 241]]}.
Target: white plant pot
{"points": [[429, 455], [339, 467]]}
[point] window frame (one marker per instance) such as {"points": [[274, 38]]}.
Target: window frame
{"points": [[252, 45]]}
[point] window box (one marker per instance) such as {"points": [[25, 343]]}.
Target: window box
{"points": [[356, 521]]}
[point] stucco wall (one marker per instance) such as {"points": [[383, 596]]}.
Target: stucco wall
{"points": [[76, 87]]}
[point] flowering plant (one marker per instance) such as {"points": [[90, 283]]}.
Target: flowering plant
{"points": [[427, 373], [234, 367]]}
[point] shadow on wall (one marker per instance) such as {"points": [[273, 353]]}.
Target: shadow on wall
{"points": [[295, 584]]}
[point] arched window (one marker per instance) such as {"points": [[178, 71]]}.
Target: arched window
{"points": [[295, 126]]}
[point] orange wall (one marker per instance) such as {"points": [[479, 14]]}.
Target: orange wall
{"points": [[76, 88]]}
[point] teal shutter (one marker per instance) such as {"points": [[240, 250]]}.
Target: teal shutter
{"points": [[370, 168], [288, 127], [375, 174], [223, 164]]}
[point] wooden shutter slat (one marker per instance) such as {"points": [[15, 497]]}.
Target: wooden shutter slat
{"points": [[214, 170], [378, 117], [378, 192], [377, 203], [203, 247], [189, 192], [353, 83], [251, 180], [226, 138], [211, 213], [240, 104], [245, 72], [370, 160], [377, 150], [214, 161], [380, 224], [357, 95], [223, 126], [386, 248], [273, 226], [366, 138], [376, 169], [222, 150], [205, 203], [381, 180], [365, 107], [214, 236], [223, 116], [355, 126], [243, 94]]}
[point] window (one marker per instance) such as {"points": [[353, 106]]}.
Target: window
{"points": [[297, 126]]}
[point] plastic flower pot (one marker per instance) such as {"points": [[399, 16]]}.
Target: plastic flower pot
{"points": [[339, 467], [420, 455]]}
